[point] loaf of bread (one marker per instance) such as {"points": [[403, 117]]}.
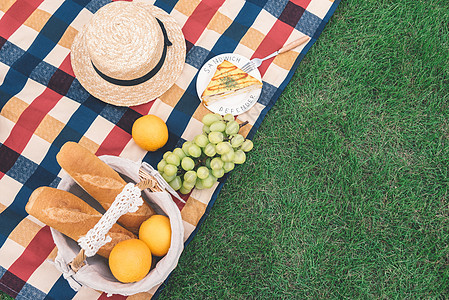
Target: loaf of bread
{"points": [[100, 181], [71, 216]]}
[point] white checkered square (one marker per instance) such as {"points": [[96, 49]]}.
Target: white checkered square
{"points": [[133, 152], [50, 6], [81, 19], [9, 253], [64, 109], [23, 37], [86, 293], [45, 276], [9, 187], [6, 127], [188, 73], [98, 130], [275, 75], [57, 55], [3, 71], [31, 91], [180, 18], [193, 128], [231, 8], [264, 22], [188, 229], [244, 51], [208, 39], [36, 149], [160, 109], [252, 114], [205, 195], [319, 7]]}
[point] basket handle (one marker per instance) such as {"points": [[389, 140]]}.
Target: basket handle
{"points": [[128, 200]]}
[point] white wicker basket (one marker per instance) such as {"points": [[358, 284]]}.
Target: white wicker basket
{"points": [[96, 273]]}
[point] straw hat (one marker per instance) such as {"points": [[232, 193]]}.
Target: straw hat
{"points": [[129, 53]]}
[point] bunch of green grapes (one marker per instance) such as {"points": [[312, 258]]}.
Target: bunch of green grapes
{"points": [[201, 162]]}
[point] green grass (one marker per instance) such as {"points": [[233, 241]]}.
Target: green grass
{"points": [[346, 192]]}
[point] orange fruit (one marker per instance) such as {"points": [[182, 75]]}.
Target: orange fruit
{"points": [[150, 132], [130, 260], [156, 233]]}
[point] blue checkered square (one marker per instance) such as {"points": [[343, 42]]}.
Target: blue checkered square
{"points": [[22, 170], [268, 92], [275, 7], [113, 113], [95, 5], [2, 271], [197, 56], [77, 92], [43, 73], [9, 53], [308, 24], [30, 292]]}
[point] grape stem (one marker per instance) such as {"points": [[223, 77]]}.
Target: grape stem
{"points": [[243, 124]]}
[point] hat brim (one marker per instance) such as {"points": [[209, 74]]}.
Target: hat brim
{"points": [[137, 94]]}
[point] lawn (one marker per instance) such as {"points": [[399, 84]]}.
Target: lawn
{"points": [[345, 194]]}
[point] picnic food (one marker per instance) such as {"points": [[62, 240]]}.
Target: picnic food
{"points": [[228, 80], [150, 132], [71, 216], [130, 260], [156, 233], [201, 162], [100, 181]]}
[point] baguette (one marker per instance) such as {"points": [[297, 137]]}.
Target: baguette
{"points": [[100, 181], [71, 216]]}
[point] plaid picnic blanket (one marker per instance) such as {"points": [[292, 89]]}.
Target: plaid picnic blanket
{"points": [[43, 106]]}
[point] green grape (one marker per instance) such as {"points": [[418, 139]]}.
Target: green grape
{"points": [[176, 183], [184, 191], [247, 145], [173, 159], [170, 170], [223, 147], [228, 117], [229, 156], [161, 165], [186, 146], [237, 140], [201, 140], [219, 126], [187, 163], [199, 184], [210, 118], [215, 137], [209, 181], [202, 172], [218, 172], [166, 154], [232, 127], [209, 150], [206, 129], [168, 178], [216, 163], [228, 166], [239, 157], [190, 176], [208, 162], [194, 150], [188, 185], [179, 152]]}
